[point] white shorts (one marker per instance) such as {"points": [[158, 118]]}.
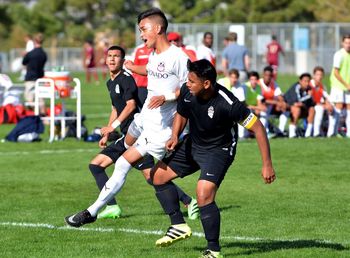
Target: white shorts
{"points": [[339, 96], [150, 142]]}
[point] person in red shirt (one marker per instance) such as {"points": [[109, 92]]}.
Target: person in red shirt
{"points": [[89, 61], [176, 39], [141, 55], [273, 50]]}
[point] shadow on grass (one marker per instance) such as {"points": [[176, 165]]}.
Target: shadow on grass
{"points": [[275, 245]]}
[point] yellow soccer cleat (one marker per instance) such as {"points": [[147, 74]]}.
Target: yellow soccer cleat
{"points": [[174, 234], [211, 254]]}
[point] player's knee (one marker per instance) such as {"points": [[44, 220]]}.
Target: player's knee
{"points": [[203, 200]]}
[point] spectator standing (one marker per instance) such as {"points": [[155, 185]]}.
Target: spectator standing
{"points": [[272, 54], [34, 61], [89, 61], [235, 56], [176, 39], [340, 87], [29, 47], [205, 51]]}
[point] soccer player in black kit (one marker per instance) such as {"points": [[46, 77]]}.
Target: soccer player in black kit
{"points": [[213, 114], [123, 93]]}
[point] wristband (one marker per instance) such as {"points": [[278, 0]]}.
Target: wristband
{"points": [[170, 96], [115, 124]]}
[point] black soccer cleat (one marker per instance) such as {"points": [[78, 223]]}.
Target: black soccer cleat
{"points": [[79, 219]]}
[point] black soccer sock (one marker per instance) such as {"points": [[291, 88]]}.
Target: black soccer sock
{"points": [[168, 198], [101, 178], [183, 197], [210, 217]]}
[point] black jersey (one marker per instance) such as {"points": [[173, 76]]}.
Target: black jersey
{"points": [[298, 94], [213, 123], [34, 61], [122, 89]]}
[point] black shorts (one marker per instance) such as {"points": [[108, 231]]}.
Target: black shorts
{"points": [[117, 148], [187, 158]]}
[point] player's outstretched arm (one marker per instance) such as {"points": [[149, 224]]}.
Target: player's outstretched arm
{"points": [[268, 172], [139, 69], [178, 126]]}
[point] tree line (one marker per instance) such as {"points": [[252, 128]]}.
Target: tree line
{"points": [[70, 22]]}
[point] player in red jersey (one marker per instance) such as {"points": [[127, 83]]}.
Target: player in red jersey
{"points": [[273, 50], [141, 55]]}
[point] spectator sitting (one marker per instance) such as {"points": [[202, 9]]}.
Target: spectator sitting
{"points": [[253, 98], [321, 99], [232, 83], [299, 99], [274, 100]]}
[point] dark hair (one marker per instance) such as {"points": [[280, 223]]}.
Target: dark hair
{"points": [[346, 36], [318, 68], [203, 69], [273, 37], [233, 36], [304, 75], [268, 69], [253, 74], [234, 71], [154, 12], [208, 33], [122, 51]]}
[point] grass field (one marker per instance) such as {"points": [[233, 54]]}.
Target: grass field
{"points": [[305, 213]]}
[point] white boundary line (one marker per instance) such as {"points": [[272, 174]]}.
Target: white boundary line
{"points": [[146, 232], [46, 152]]}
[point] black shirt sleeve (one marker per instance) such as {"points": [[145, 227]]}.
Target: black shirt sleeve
{"points": [[25, 59], [181, 105], [130, 88], [238, 111], [291, 96]]}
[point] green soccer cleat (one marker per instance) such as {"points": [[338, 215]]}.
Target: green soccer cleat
{"points": [[174, 234], [193, 210], [110, 212], [211, 254]]}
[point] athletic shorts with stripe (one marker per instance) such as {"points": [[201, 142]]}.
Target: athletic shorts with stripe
{"points": [[187, 158], [117, 148]]}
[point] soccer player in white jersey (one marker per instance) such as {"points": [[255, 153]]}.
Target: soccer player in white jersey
{"points": [[151, 129]]}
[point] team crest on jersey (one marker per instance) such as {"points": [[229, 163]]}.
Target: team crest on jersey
{"points": [[117, 90], [161, 67], [211, 111]]}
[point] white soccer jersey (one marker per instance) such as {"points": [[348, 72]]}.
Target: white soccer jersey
{"points": [[204, 52], [167, 72]]}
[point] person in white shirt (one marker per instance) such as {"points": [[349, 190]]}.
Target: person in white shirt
{"points": [[151, 129], [205, 51]]}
